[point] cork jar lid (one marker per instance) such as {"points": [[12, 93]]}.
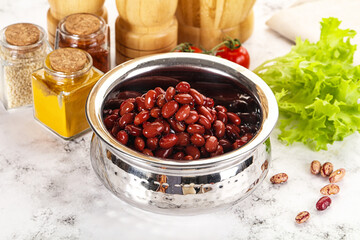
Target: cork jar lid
{"points": [[82, 24], [67, 60], [22, 34]]}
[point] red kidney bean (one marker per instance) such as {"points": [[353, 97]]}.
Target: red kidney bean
{"points": [[139, 143], [323, 203], [115, 112], [220, 108], [169, 94], [193, 117], [167, 128], [178, 156], [115, 129], [152, 143], [140, 103], [245, 138], [168, 141], [147, 152], [126, 108], [133, 130], [209, 102], [226, 144], [150, 99], [219, 129], [211, 144], [183, 98], [231, 133], [183, 113], [159, 91], [183, 139], [198, 97], [236, 128], [219, 150], [188, 158], [169, 109], [235, 119], [126, 119], [163, 153], [197, 140], [203, 152], [222, 117], [176, 125], [213, 112], [195, 128], [122, 137], [204, 111], [141, 117], [193, 151], [109, 121], [204, 121], [160, 101], [129, 100], [155, 112], [183, 87], [152, 130]]}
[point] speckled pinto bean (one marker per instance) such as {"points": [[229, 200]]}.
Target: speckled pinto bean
{"points": [[330, 189], [179, 123], [279, 178], [326, 169], [337, 175], [315, 167], [302, 217]]}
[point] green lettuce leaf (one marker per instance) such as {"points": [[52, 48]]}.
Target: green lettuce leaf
{"points": [[317, 88]]}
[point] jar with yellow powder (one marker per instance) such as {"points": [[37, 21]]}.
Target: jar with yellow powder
{"points": [[60, 90]]}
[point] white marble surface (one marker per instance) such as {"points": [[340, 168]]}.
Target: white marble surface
{"points": [[49, 191]]}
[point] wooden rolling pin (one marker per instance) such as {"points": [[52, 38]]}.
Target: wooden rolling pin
{"points": [[206, 23]]}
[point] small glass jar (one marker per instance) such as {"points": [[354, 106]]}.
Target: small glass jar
{"points": [[88, 32], [60, 95], [23, 47]]}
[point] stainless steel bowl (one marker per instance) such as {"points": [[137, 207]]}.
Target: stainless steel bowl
{"points": [[175, 187]]}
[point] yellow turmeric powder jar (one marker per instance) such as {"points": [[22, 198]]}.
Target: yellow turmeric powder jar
{"points": [[60, 90]]}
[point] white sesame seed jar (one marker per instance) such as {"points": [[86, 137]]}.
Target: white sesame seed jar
{"points": [[23, 48]]}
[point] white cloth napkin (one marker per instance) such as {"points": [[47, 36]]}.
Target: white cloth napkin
{"points": [[303, 19]]}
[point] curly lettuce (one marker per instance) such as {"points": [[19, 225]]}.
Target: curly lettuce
{"points": [[317, 88]]}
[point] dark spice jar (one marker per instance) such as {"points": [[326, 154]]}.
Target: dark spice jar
{"points": [[88, 32]]}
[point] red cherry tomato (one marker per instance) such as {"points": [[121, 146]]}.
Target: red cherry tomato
{"points": [[233, 50], [187, 47]]}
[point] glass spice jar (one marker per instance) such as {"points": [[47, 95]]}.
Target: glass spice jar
{"points": [[60, 90], [88, 32], [23, 47]]}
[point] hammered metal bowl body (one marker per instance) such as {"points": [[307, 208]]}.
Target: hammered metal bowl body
{"points": [[175, 187]]}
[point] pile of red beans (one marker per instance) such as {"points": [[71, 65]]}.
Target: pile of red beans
{"points": [[179, 123]]}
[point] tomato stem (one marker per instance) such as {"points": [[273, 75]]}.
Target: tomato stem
{"points": [[183, 47], [231, 43]]}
